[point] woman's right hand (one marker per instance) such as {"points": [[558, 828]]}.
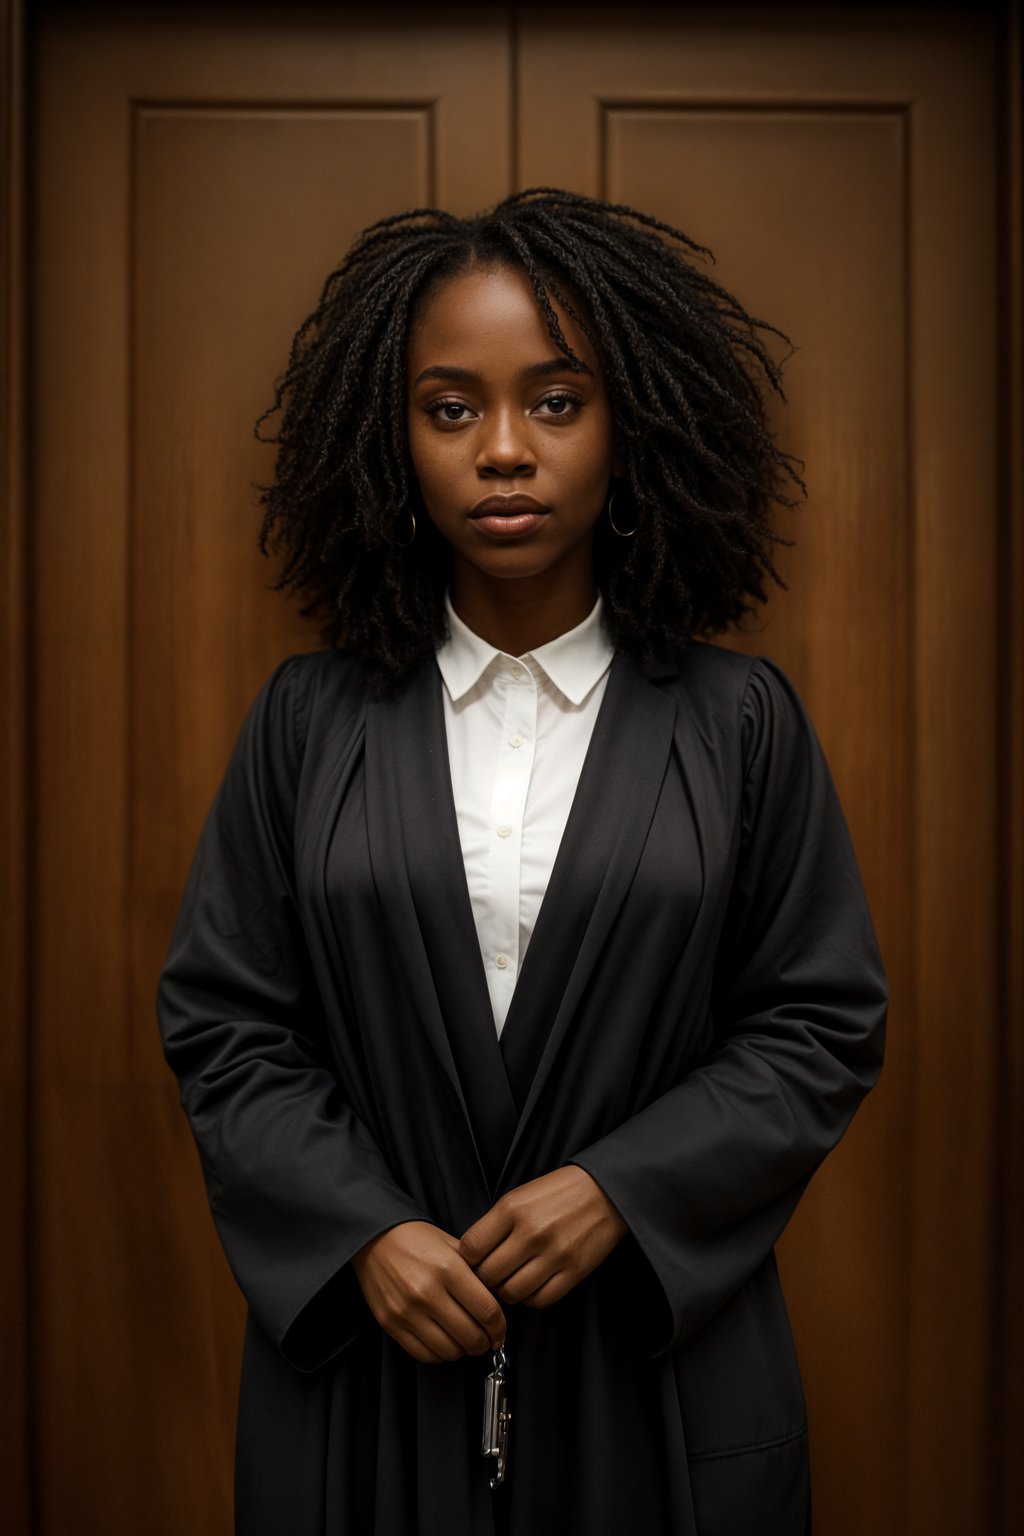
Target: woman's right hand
{"points": [[425, 1296]]}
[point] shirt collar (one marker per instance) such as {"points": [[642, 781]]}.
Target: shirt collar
{"points": [[573, 662]]}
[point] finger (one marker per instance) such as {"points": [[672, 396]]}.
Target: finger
{"points": [[471, 1294], [492, 1228], [525, 1282], [414, 1346], [505, 1260], [463, 1327], [436, 1338], [552, 1290]]}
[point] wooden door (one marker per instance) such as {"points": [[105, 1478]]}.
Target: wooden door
{"points": [[843, 168], [197, 173]]}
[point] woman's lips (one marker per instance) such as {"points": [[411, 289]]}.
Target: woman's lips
{"points": [[508, 517]]}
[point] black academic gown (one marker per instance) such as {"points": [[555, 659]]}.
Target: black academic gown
{"points": [[700, 1010]]}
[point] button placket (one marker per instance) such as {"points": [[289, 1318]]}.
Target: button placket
{"points": [[508, 805]]}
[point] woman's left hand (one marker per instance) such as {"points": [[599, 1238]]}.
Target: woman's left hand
{"points": [[543, 1238]]}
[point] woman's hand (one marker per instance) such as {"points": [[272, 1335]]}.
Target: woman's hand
{"points": [[543, 1238], [425, 1296]]}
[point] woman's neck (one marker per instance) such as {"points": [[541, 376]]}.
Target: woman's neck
{"points": [[515, 619]]}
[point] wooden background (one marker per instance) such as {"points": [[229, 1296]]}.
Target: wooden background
{"points": [[181, 178]]}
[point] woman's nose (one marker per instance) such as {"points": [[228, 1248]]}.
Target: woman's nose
{"points": [[504, 446]]}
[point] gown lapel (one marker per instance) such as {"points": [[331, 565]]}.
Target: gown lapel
{"points": [[417, 861], [604, 836]]}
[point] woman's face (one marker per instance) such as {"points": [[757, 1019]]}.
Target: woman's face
{"points": [[512, 449]]}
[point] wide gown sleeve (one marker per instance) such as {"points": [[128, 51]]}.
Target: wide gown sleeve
{"points": [[295, 1182], [707, 1175]]}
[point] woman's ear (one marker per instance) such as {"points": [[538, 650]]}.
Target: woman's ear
{"points": [[618, 457]]}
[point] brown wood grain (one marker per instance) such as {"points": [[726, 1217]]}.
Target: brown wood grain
{"points": [[843, 172], [1010, 1117], [14, 930], [196, 173], [196, 183], [14, 777]]}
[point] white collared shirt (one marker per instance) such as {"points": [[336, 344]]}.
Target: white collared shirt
{"points": [[518, 731]]}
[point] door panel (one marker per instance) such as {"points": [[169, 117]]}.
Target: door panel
{"points": [[198, 176], [211, 330], [839, 164]]}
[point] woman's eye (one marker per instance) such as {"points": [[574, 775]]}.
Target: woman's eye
{"points": [[454, 411], [448, 410], [562, 405]]}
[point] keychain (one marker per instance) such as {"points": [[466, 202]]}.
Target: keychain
{"points": [[497, 1417]]}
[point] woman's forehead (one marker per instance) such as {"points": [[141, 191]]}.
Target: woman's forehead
{"points": [[489, 314]]}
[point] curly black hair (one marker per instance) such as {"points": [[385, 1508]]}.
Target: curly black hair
{"points": [[685, 370]]}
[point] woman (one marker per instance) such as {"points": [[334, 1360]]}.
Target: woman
{"points": [[524, 975]]}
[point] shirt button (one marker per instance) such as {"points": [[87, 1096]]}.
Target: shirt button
{"points": [[515, 741], [504, 831], [501, 961]]}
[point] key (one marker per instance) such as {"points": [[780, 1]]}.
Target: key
{"points": [[497, 1418]]}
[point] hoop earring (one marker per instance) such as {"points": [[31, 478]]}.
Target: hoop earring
{"points": [[611, 520], [407, 544]]}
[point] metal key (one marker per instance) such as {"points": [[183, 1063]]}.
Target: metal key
{"points": [[497, 1417]]}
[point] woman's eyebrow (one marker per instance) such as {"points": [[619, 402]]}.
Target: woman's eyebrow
{"points": [[440, 371], [557, 365], [534, 371]]}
